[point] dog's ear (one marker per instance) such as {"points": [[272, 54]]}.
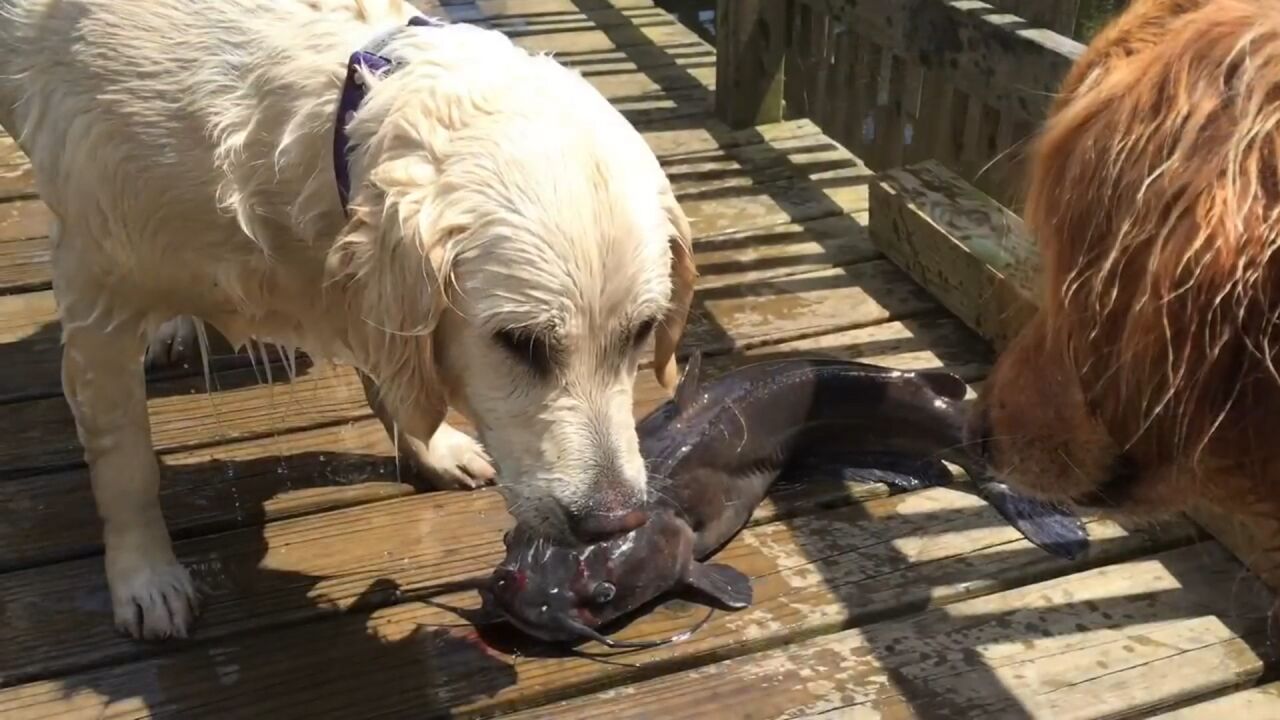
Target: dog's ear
{"points": [[684, 275], [391, 275]]}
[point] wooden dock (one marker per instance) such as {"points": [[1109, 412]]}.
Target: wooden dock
{"points": [[326, 575]]}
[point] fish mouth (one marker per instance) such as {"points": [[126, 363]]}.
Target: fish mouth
{"points": [[566, 629]]}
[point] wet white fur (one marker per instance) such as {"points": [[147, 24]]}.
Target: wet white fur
{"points": [[185, 150]]}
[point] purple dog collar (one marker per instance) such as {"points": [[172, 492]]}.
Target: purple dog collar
{"points": [[353, 91]]}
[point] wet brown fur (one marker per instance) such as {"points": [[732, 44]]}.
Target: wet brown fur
{"points": [[1153, 197]]}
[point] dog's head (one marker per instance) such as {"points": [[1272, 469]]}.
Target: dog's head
{"points": [[514, 250], [1148, 382]]}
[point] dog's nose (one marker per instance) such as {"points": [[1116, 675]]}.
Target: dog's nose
{"points": [[600, 524]]}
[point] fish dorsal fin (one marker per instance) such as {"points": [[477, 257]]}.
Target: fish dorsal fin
{"points": [[945, 384], [721, 582], [687, 388]]}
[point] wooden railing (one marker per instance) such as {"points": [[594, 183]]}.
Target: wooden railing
{"points": [[899, 81]]}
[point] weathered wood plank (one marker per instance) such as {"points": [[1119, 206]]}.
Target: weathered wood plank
{"points": [[1107, 643], [813, 574], [10, 153], [1256, 702], [781, 251], [24, 264], [23, 219], [980, 264], [51, 517], [812, 157], [17, 181], [31, 350], [593, 37], [966, 248], [675, 138], [39, 435]]}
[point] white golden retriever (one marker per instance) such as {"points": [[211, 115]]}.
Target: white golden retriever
{"points": [[511, 243]]}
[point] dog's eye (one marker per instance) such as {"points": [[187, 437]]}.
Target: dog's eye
{"points": [[642, 332], [527, 347]]}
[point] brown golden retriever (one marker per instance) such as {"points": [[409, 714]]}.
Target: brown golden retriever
{"points": [[1148, 380]]}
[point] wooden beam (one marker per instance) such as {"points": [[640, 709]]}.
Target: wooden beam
{"points": [[751, 38], [1259, 702], [976, 258], [965, 248]]}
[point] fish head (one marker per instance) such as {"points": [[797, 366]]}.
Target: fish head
{"points": [[559, 593]]}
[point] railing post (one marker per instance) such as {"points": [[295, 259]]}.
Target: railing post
{"points": [[751, 41]]}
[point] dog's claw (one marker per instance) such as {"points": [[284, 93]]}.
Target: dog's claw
{"points": [[153, 602]]}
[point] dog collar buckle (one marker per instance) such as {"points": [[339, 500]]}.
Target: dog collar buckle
{"points": [[367, 59]]}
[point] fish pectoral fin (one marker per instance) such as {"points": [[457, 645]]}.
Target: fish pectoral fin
{"points": [[722, 583], [1051, 528]]}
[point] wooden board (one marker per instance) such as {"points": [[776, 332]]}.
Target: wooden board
{"points": [[928, 220], [813, 573], [50, 517], [16, 181], [971, 252], [1107, 643], [23, 219], [39, 435], [1257, 702]]}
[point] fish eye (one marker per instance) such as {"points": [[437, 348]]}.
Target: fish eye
{"points": [[603, 592]]}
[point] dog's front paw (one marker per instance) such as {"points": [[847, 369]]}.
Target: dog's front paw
{"points": [[452, 460], [152, 595], [173, 343]]}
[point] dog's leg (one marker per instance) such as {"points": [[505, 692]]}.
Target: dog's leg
{"points": [[102, 377], [451, 459]]}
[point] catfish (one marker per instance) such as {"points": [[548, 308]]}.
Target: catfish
{"points": [[713, 451]]}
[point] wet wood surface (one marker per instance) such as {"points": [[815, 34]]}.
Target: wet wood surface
{"points": [[331, 576]]}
